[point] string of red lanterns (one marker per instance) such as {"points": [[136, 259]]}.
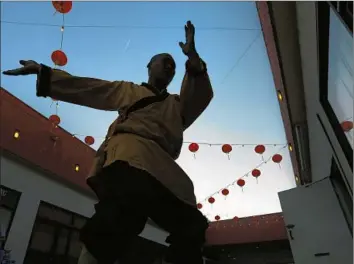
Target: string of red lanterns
{"points": [[194, 147], [246, 221], [59, 57], [276, 158]]}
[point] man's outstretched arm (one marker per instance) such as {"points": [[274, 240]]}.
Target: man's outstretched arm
{"points": [[62, 86]]}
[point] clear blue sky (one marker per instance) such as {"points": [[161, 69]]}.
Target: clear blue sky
{"points": [[245, 107]]}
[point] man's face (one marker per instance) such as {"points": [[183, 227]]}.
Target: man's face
{"points": [[162, 68]]}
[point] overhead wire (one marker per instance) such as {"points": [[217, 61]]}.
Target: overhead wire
{"points": [[148, 27], [123, 26], [240, 58]]}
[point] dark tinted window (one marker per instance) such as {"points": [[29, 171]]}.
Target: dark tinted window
{"points": [[42, 237], [54, 213], [55, 237], [8, 203], [8, 198]]}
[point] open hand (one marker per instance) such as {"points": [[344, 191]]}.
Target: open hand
{"points": [[29, 67], [188, 48]]}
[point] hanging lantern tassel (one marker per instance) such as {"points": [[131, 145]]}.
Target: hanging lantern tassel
{"points": [[277, 158], [56, 107], [260, 149], [54, 138], [241, 183], [193, 147], [227, 148], [225, 192], [256, 173]]}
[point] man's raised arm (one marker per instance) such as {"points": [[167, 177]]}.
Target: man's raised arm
{"points": [[196, 94], [196, 91]]}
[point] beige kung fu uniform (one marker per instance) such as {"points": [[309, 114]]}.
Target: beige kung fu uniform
{"points": [[151, 138]]}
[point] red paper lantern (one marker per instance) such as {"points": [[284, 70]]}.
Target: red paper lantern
{"points": [[236, 218], [89, 140], [277, 158], [241, 182], [256, 173], [62, 6], [260, 149], [55, 119], [193, 147], [347, 126], [226, 148], [225, 192], [199, 206], [211, 200], [59, 58], [217, 218]]}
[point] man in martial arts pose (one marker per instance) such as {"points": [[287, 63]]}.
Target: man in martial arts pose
{"points": [[135, 176]]}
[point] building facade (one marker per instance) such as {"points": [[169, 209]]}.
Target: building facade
{"points": [[310, 48]]}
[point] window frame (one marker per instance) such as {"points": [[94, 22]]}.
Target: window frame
{"points": [[58, 227], [323, 27], [13, 212]]}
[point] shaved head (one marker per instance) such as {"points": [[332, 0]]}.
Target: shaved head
{"points": [[162, 69]]}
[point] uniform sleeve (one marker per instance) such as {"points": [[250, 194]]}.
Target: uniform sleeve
{"points": [[90, 92], [196, 94]]}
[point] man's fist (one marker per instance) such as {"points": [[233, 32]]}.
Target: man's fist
{"points": [[29, 67]]}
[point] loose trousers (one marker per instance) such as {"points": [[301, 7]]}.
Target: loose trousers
{"points": [[127, 198]]}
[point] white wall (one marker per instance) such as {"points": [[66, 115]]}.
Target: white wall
{"points": [[320, 149], [35, 187], [319, 224]]}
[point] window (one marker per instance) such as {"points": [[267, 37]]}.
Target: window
{"points": [[8, 204], [5, 219], [336, 69], [55, 236], [340, 72], [42, 237], [74, 247]]}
